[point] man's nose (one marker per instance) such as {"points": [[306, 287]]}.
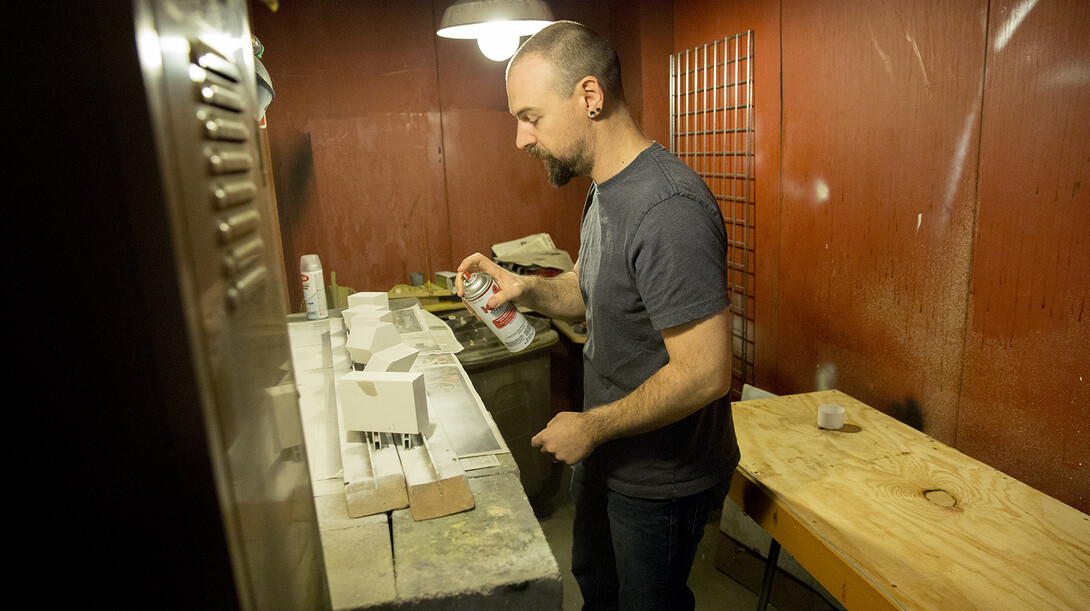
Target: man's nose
{"points": [[524, 136]]}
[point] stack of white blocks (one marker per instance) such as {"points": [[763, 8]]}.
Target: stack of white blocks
{"points": [[386, 396]]}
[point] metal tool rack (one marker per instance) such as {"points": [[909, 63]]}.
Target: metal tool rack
{"points": [[712, 130]]}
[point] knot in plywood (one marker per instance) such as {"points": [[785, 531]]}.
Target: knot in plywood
{"points": [[940, 497]]}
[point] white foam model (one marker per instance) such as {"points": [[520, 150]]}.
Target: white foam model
{"points": [[366, 312], [388, 402], [368, 337], [283, 402], [399, 359], [369, 298]]}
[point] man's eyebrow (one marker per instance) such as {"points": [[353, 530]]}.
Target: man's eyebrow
{"points": [[522, 111]]}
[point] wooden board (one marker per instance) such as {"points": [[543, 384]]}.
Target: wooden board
{"points": [[836, 574], [924, 525], [373, 480], [436, 482]]}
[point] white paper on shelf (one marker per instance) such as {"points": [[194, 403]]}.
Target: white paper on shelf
{"points": [[536, 249]]}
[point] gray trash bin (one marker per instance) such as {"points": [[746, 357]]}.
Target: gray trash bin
{"points": [[515, 388]]}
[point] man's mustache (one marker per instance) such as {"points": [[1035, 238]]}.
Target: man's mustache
{"points": [[539, 153]]}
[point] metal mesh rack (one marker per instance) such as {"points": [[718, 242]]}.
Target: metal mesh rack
{"points": [[711, 130]]}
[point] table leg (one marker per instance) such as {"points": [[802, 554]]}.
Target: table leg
{"points": [[770, 572]]}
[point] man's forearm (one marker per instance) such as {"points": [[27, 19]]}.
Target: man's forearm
{"points": [[697, 373], [555, 297], [669, 395]]}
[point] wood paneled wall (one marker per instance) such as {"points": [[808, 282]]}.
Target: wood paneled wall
{"points": [[1025, 395], [921, 176], [922, 216], [393, 149]]}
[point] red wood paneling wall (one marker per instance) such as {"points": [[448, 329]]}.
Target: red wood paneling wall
{"points": [[881, 105], [356, 138], [393, 149], [922, 216], [1025, 401], [921, 176], [698, 22]]}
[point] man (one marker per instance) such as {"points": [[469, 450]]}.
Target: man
{"points": [[654, 446]]}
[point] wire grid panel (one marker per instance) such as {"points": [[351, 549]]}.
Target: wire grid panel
{"points": [[711, 130]]}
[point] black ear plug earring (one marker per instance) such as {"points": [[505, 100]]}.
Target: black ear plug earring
{"points": [[594, 113]]}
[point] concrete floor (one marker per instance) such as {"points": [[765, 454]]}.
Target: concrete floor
{"points": [[713, 589]]}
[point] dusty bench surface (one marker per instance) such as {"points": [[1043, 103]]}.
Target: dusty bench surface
{"points": [[493, 556], [884, 516]]}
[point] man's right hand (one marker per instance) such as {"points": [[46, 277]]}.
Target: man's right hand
{"points": [[512, 286]]}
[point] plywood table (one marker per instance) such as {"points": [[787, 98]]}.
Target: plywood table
{"points": [[885, 517]]}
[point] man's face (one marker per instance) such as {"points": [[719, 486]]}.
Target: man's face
{"points": [[547, 122]]}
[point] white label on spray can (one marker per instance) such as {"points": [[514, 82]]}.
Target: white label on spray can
{"points": [[310, 271], [514, 330]]}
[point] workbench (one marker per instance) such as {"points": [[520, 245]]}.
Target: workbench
{"points": [[492, 556], [886, 517]]}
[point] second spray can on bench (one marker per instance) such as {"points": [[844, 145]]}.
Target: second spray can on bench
{"points": [[513, 329], [310, 271]]}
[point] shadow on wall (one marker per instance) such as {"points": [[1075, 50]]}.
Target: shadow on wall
{"points": [[299, 176], [908, 412]]}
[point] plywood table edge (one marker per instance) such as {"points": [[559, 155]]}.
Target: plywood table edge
{"points": [[835, 572], [821, 558]]}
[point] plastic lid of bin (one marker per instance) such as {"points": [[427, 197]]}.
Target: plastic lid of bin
{"points": [[481, 346]]}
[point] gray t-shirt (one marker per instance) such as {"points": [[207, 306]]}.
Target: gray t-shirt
{"points": [[652, 255]]}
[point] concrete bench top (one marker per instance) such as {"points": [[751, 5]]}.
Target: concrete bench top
{"points": [[494, 556]]}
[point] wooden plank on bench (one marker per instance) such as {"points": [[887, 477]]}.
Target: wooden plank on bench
{"points": [[373, 479], [436, 482]]}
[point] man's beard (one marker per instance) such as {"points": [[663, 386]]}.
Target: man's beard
{"points": [[561, 171]]}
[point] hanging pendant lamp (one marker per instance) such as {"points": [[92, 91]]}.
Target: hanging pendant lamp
{"points": [[496, 24]]}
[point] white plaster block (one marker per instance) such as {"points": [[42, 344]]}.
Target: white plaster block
{"points": [[282, 401], [399, 358], [368, 337], [309, 342], [446, 280], [366, 312], [389, 402], [369, 298]]}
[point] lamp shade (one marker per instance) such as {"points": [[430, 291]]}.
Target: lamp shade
{"points": [[477, 18]]}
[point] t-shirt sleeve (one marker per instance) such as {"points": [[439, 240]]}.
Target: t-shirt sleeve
{"points": [[678, 258]]}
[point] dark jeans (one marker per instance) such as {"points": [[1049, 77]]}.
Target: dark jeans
{"points": [[630, 553]]}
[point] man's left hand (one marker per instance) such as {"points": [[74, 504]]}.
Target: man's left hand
{"points": [[568, 437]]}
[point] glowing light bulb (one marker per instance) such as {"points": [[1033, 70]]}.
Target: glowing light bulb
{"points": [[497, 45]]}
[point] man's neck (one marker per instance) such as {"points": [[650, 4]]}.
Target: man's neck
{"points": [[619, 142]]}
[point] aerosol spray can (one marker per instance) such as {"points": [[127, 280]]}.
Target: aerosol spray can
{"points": [[310, 270], [513, 329]]}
